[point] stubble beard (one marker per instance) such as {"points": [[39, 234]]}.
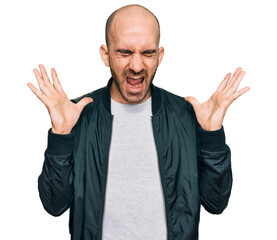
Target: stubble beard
{"points": [[132, 97]]}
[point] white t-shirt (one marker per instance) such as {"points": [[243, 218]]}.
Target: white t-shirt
{"points": [[134, 204]]}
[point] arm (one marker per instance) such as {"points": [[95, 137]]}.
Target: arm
{"points": [[215, 174], [55, 181], [213, 154]]}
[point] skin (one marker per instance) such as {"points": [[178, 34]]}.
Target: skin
{"points": [[63, 113], [133, 52], [210, 114]]}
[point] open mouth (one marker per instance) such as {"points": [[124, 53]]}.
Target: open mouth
{"points": [[135, 83]]}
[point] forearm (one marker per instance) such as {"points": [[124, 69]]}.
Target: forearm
{"points": [[55, 182], [215, 171]]}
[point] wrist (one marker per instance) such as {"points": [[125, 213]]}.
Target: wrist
{"points": [[61, 131], [210, 126]]}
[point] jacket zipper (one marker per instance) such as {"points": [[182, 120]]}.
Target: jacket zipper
{"points": [[161, 170]]}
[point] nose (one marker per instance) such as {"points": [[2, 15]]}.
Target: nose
{"points": [[136, 63]]}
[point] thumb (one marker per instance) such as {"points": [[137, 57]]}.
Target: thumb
{"points": [[194, 102], [83, 102]]}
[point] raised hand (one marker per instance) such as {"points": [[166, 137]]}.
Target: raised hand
{"points": [[210, 114], [64, 114]]}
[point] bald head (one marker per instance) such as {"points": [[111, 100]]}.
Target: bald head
{"points": [[130, 15]]}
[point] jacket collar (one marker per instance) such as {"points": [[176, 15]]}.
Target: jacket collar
{"points": [[156, 97]]}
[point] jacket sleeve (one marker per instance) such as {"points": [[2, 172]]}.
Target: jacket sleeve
{"points": [[55, 183], [215, 171]]}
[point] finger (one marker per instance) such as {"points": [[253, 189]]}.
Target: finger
{"points": [[42, 97], [43, 88], [46, 79], [56, 82], [238, 80], [224, 82], [232, 88], [235, 75], [43, 72], [83, 102], [240, 92], [194, 102]]}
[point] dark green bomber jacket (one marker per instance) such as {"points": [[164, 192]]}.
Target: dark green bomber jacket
{"points": [[194, 165]]}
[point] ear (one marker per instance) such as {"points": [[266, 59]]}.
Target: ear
{"points": [[161, 54], [105, 55]]}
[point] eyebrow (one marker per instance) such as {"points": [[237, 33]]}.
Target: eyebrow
{"points": [[120, 50], [127, 51], [149, 51]]}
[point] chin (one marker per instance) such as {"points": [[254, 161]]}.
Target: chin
{"points": [[131, 98], [134, 95]]}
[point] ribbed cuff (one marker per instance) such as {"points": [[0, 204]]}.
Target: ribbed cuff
{"points": [[212, 140], [59, 144]]}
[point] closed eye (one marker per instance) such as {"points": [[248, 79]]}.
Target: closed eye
{"points": [[124, 52], [127, 52], [149, 52]]}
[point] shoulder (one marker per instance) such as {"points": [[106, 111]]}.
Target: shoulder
{"points": [[94, 95], [179, 113], [176, 103]]}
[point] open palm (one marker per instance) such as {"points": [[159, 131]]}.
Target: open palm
{"points": [[64, 114], [210, 114]]}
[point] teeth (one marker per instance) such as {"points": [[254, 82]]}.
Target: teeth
{"points": [[140, 84], [135, 77]]}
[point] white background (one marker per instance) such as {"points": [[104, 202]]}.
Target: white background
{"points": [[203, 41]]}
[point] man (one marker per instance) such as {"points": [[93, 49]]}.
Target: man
{"points": [[131, 160]]}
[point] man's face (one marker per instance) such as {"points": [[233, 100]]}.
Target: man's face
{"points": [[133, 57]]}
